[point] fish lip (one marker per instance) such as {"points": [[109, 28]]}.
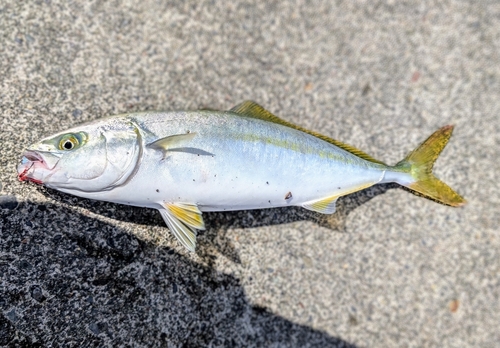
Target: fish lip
{"points": [[42, 157], [30, 159], [33, 156], [23, 171]]}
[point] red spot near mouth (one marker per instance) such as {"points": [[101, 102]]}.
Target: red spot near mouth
{"points": [[22, 176]]}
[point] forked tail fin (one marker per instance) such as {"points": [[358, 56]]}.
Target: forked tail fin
{"points": [[419, 164]]}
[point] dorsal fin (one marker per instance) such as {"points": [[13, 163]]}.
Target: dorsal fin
{"points": [[252, 109]]}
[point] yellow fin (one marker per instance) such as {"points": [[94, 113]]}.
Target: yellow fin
{"points": [[326, 205], [419, 164], [252, 109], [183, 220], [188, 214], [323, 206], [184, 234]]}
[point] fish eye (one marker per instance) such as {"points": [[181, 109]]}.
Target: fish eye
{"points": [[68, 145], [68, 142]]}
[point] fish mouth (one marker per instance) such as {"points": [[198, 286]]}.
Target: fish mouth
{"points": [[33, 156], [33, 161], [24, 174]]}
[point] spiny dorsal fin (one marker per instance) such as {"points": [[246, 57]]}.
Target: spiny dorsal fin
{"points": [[252, 109]]}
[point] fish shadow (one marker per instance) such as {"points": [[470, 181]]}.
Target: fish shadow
{"points": [[219, 223], [93, 283]]}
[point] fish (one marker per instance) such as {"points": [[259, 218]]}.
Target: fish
{"points": [[184, 163]]}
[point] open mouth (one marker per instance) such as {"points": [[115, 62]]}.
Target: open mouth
{"points": [[33, 156]]}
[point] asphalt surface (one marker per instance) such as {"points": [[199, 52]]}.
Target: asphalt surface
{"points": [[388, 270]]}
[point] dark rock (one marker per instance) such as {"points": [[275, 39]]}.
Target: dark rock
{"points": [[12, 315], [8, 202], [36, 293], [23, 264]]}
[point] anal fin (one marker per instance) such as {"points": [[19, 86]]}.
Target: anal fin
{"points": [[183, 220], [326, 205], [323, 205]]}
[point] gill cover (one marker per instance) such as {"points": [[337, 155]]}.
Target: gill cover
{"points": [[109, 159]]}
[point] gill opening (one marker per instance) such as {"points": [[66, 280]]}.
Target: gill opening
{"points": [[141, 145]]}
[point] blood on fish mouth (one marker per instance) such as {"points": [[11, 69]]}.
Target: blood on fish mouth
{"points": [[22, 176], [33, 157]]}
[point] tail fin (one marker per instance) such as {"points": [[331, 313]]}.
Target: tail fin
{"points": [[419, 164]]}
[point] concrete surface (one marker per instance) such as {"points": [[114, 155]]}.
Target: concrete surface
{"points": [[388, 270]]}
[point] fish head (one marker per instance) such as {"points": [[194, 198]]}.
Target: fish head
{"points": [[90, 158]]}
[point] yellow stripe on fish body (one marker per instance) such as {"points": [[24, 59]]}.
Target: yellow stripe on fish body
{"points": [[252, 109]]}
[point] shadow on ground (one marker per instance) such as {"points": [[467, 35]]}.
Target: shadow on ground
{"points": [[218, 223], [85, 280]]}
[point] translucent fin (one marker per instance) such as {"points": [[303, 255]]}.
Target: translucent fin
{"points": [[323, 206], [183, 220], [419, 164], [171, 142], [326, 205], [251, 109], [187, 213], [184, 234]]}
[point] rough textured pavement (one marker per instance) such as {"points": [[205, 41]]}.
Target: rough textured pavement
{"points": [[388, 270]]}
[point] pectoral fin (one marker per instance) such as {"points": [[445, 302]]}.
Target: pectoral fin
{"points": [[172, 142], [183, 220]]}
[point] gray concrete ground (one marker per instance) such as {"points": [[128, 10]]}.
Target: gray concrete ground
{"points": [[388, 270]]}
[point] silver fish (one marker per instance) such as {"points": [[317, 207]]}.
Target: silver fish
{"points": [[186, 162]]}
